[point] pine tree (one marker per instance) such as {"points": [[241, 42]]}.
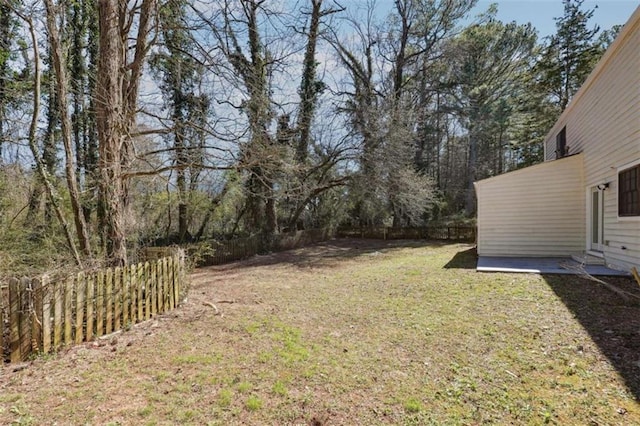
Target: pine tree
{"points": [[489, 64], [570, 54]]}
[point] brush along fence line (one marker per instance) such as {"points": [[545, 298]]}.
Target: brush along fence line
{"points": [[232, 250], [41, 315]]}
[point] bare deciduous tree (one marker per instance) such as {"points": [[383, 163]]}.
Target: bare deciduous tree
{"points": [[119, 71], [60, 74]]}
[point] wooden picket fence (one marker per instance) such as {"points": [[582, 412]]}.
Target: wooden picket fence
{"points": [[41, 315]]}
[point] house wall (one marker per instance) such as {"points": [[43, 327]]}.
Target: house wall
{"points": [[536, 211], [603, 123]]}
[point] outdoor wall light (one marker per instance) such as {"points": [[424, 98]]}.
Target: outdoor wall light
{"points": [[603, 186]]}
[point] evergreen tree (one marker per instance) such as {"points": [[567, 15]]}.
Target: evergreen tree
{"points": [[489, 62], [570, 55]]}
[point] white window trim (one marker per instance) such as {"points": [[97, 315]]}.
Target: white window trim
{"points": [[617, 181]]}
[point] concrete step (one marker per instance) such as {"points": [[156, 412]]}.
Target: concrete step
{"points": [[588, 259]]}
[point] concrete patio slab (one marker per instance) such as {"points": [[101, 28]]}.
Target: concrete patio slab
{"points": [[542, 265]]}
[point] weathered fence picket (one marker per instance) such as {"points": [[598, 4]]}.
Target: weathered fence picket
{"points": [[58, 291], [36, 315], [25, 319], [45, 314], [132, 274], [14, 319], [171, 277], [100, 303], [125, 296], [153, 283], [147, 290], [160, 277], [68, 293], [81, 291], [139, 291], [90, 303], [108, 285]]}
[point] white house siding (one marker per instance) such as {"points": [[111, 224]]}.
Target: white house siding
{"points": [[603, 123], [536, 211]]}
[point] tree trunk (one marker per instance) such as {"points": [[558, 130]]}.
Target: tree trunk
{"points": [[182, 161], [90, 132], [109, 110], [42, 171], [116, 92], [308, 90], [470, 196], [61, 89], [49, 144]]}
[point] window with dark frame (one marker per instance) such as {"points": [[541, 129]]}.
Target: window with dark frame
{"points": [[561, 143], [629, 192]]}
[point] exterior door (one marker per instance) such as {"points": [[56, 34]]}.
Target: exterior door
{"points": [[596, 220]]}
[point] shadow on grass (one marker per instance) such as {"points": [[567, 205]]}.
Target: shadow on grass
{"points": [[466, 259], [612, 323], [328, 253]]}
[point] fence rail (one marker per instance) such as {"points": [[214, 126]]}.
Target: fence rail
{"points": [[449, 233], [44, 315]]}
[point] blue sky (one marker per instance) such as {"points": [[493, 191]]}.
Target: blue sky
{"points": [[541, 12]]}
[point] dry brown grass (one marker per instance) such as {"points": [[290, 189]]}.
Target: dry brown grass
{"points": [[353, 332]]}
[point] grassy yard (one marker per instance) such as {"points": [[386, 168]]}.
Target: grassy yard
{"points": [[353, 332]]}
